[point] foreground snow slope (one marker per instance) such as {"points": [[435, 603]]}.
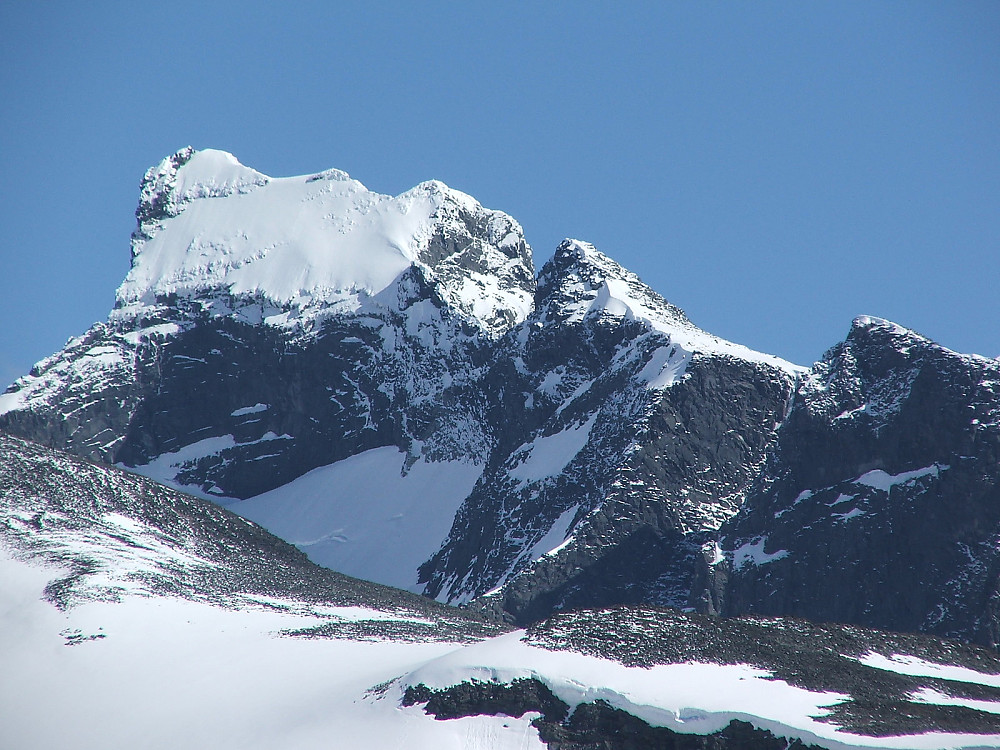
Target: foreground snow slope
{"points": [[159, 672], [163, 673]]}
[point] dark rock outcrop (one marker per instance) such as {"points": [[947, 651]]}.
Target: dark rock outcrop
{"points": [[880, 504]]}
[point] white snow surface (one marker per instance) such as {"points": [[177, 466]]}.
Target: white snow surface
{"points": [[548, 455], [362, 516], [881, 480], [912, 665], [165, 467], [171, 673], [752, 553], [936, 697], [557, 537], [306, 242], [285, 238], [161, 673]]}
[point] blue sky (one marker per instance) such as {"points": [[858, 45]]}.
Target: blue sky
{"points": [[775, 169]]}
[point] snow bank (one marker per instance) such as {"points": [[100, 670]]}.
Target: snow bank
{"points": [[362, 516]]}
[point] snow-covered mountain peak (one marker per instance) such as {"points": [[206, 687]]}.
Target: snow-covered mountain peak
{"points": [[184, 176], [580, 282], [443, 192], [212, 229], [211, 173]]}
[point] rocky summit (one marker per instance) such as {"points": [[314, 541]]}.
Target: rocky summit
{"points": [[387, 384]]}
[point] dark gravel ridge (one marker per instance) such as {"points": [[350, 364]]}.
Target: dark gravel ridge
{"points": [[813, 656], [589, 726]]}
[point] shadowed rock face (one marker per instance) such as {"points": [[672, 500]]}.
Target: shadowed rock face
{"points": [[881, 502], [657, 472], [696, 450]]}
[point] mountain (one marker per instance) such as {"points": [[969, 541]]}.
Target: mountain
{"points": [[637, 435], [134, 615], [387, 384], [884, 486]]}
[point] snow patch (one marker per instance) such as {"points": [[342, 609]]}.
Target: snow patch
{"points": [[929, 695], [753, 553], [665, 367], [917, 667], [557, 537], [548, 455], [363, 517], [255, 409], [165, 467], [881, 480]]}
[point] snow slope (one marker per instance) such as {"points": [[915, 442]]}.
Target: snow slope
{"points": [[158, 672], [364, 516], [162, 673]]}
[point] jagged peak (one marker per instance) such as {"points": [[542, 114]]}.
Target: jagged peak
{"points": [[438, 188], [879, 357], [864, 323], [869, 332], [582, 257], [580, 282]]}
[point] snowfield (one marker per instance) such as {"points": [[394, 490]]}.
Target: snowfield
{"points": [[167, 673], [157, 672], [364, 517]]}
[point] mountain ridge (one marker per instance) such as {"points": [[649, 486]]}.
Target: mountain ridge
{"points": [[561, 440]]}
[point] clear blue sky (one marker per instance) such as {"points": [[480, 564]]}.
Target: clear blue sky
{"points": [[773, 168]]}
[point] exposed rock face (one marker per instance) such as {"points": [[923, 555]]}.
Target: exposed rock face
{"points": [[881, 502]]}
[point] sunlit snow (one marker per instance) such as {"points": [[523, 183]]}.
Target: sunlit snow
{"points": [[881, 480], [363, 516], [548, 455]]}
